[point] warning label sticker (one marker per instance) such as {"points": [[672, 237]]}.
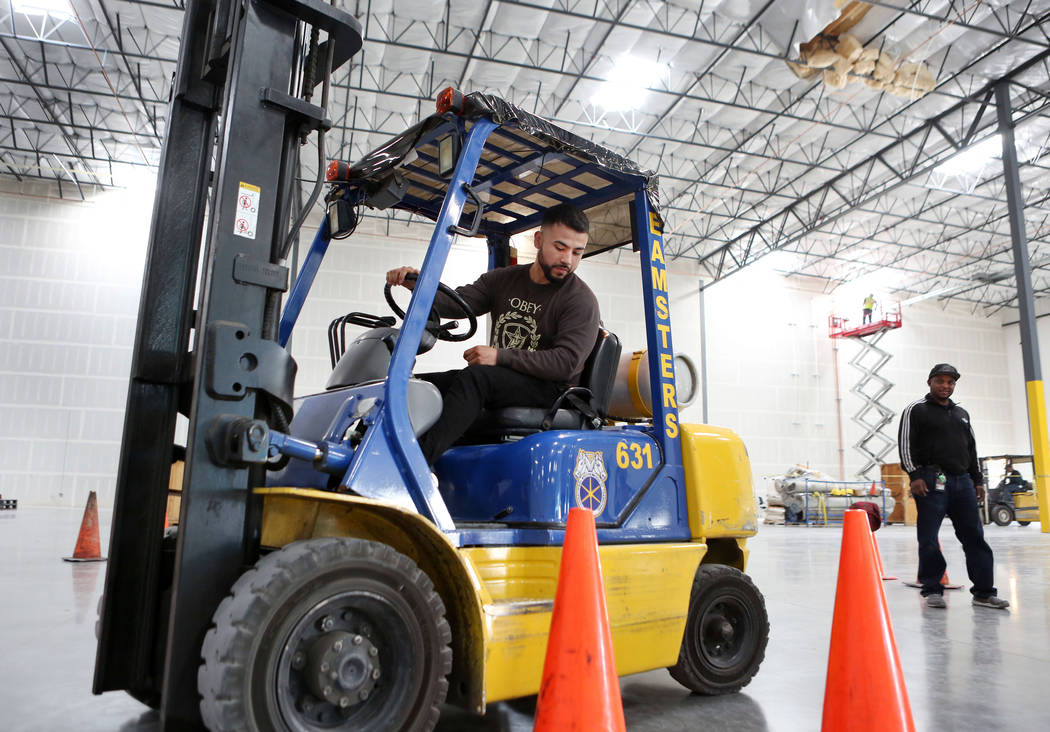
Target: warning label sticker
{"points": [[247, 217]]}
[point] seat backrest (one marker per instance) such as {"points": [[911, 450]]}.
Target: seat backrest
{"points": [[599, 371]]}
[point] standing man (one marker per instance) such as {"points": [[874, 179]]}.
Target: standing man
{"points": [[869, 305], [939, 453], [544, 323]]}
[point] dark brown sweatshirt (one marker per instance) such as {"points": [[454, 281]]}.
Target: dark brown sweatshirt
{"points": [[546, 331]]}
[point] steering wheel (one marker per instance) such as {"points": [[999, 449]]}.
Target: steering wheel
{"points": [[434, 326]]}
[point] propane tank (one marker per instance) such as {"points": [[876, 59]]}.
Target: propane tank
{"points": [[631, 396]]}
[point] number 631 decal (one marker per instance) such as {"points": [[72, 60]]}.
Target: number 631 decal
{"points": [[634, 455]]}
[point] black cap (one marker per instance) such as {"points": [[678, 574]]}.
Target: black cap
{"points": [[944, 368]]}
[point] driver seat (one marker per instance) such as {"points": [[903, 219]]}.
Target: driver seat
{"points": [[579, 407]]}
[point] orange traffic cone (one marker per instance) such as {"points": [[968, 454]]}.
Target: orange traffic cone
{"points": [[945, 583], [878, 559], [580, 689], [88, 548], [865, 686]]}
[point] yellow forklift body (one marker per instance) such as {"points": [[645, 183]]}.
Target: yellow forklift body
{"points": [[719, 496], [646, 592], [1026, 506], [499, 599]]}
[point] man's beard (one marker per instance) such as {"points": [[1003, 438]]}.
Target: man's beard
{"points": [[548, 272]]}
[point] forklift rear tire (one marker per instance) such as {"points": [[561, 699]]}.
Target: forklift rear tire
{"points": [[1024, 523], [1002, 515], [326, 634], [726, 632]]}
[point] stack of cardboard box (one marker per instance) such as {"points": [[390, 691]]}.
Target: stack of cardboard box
{"points": [[897, 482]]}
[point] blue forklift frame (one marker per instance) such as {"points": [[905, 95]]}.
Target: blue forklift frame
{"points": [[388, 465]]}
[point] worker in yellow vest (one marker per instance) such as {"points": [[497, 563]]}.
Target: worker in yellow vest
{"points": [[869, 305]]}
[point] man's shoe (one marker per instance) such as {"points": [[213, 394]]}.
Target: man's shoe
{"points": [[991, 601], [936, 601]]}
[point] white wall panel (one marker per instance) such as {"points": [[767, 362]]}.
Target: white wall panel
{"points": [[1015, 381], [69, 289]]}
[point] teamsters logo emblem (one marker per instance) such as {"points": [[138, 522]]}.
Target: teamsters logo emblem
{"points": [[590, 478]]}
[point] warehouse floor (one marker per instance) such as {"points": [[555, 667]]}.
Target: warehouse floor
{"points": [[966, 668]]}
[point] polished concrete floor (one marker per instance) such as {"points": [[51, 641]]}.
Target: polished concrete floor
{"points": [[966, 668]]}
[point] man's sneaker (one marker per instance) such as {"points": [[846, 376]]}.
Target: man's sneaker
{"points": [[936, 601], [991, 601]]}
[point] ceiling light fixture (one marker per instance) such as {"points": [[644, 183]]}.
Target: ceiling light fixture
{"points": [[927, 295], [59, 9], [973, 159], [628, 83]]}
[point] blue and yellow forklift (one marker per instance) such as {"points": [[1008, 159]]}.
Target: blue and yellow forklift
{"points": [[318, 575]]}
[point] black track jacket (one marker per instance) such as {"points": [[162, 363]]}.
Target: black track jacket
{"points": [[934, 435]]}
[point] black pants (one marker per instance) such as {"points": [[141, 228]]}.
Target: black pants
{"points": [[466, 392], [958, 501]]}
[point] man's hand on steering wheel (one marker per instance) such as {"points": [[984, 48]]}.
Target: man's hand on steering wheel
{"points": [[406, 276], [400, 276]]}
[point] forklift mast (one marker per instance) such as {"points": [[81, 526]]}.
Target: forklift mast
{"points": [[240, 102]]}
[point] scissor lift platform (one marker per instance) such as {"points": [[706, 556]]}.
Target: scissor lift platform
{"points": [[839, 328]]}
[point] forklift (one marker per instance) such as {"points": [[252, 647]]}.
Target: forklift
{"points": [[318, 575], [1013, 497]]}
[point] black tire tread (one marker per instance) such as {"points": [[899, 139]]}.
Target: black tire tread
{"points": [[221, 676], [683, 672], [995, 515]]}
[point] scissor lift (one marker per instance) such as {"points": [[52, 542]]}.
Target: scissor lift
{"points": [[873, 415]]}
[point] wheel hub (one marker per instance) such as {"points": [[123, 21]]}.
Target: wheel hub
{"points": [[342, 668], [719, 632]]}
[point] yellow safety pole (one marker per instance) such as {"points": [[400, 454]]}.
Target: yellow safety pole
{"points": [[1025, 303], [1040, 450]]}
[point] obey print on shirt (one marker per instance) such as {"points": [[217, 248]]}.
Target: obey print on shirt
{"points": [[517, 328]]}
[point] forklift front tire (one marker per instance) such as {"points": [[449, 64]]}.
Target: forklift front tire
{"points": [[1002, 515], [726, 632], [323, 634]]}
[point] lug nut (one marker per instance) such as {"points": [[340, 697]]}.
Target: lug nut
{"points": [[373, 651], [338, 645], [363, 694], [327, 691], [344, 702], [375, 674], [298, 660], [333, 676], [327, 623], [324, 667], [357, 640]]}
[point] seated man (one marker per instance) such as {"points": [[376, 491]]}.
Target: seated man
{"points": [[544, 321], [1012, 480]]}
